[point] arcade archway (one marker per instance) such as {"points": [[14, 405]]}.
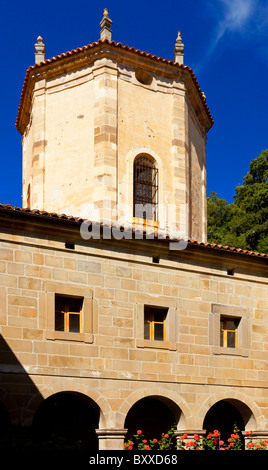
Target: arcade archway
{"points": [[225, 416], [67, 420], [153, 415]]}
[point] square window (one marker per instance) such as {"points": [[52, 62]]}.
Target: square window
{"points": [[229, 332], [68, 314], [155, 323]]}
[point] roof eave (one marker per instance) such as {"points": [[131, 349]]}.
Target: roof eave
{"points": [[37, 217], [43, 66]]}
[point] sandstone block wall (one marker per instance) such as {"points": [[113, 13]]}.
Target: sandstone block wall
{"points": [[111, 362]]}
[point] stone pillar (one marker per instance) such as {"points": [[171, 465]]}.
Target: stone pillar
{"points": [[111, 439], [179, 161], [34, 151], [105, 137]]}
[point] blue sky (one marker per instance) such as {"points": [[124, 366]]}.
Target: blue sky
{"points": [[226, 45]]}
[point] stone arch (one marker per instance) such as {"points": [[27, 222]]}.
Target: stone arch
{"points": [[249, 411], [147, 155], [71, 387], [135, 152], [8, 400], [174, 401], [66, 418]]}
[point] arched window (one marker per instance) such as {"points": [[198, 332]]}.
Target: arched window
{"points": [[145, 188]]}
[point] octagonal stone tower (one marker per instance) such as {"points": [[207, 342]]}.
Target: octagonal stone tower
{"points": [[87, 115]]}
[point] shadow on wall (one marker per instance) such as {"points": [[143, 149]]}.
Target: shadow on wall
{"points": [[64, 421], [16, 391], [67, 420]]}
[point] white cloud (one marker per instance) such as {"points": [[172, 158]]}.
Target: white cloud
{"points": [[236, 13], [231, 16]]}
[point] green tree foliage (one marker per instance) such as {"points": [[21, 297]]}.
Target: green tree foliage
{"points": [[244, 222]]}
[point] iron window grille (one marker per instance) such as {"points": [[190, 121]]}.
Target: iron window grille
{"points": [[145, 189]]}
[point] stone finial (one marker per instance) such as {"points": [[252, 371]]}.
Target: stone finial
{"points": [[106, 22], [179, 50], [40, 51]]}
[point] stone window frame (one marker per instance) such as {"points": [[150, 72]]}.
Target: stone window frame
{"points": [[53, 288], [126, 188], [244, 332], [170, 342]]}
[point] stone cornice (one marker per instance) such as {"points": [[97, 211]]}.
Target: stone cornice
{"points": [[81, 57]]}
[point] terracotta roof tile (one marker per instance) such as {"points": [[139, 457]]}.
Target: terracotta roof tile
{"points": [[7, 208], [120, 46]]}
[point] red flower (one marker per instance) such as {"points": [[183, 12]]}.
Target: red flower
{"points": [[216, 433], [196, 437], [144, 441], [131, 443], [231, 444], [221, 443], [167, 436], [146, 448], [139, 432], [130, 448], [154, 440]]}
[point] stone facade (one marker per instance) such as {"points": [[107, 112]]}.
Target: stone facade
{"points": [[111, 362], [84, 117]]}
